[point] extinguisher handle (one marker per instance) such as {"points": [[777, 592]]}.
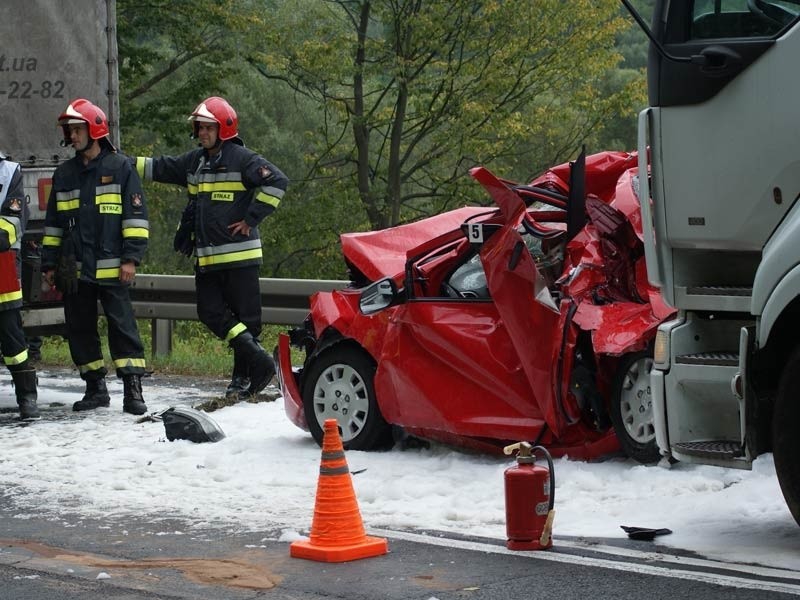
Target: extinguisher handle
{"points": [[543, 450]]}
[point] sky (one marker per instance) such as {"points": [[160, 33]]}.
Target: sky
{"points": [[263, 477]]}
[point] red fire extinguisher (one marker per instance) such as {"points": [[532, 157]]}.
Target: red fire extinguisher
{"points": [[530, 495]]}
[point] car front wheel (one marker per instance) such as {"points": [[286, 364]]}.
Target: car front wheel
{"points": [[339, 385], [632, 407]]}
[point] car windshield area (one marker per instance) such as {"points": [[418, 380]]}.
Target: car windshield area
{"points": [[468, 280]]}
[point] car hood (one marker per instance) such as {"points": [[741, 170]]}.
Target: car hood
{"points": [[383, 253]]}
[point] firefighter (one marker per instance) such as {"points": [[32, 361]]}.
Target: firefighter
{"points": [[13, 218], [96, 233], [231, 190]]}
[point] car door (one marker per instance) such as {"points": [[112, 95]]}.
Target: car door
{"points": [[537, 326], [447, 362]]}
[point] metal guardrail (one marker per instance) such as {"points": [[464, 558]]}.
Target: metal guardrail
{"points": [[283, 301], [168, 298]]}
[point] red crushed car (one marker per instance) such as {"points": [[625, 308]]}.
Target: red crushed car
{"points": [[532, 320]]}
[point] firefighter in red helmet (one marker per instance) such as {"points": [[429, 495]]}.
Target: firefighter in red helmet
{"points": [[96, 232], [13, 218], [216, 110], [231, 190], [83, 112]]}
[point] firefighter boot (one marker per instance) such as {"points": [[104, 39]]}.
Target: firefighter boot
{"points": [[96, 395], [132, 401], [25, 389], [259, 363], [240, 381]]}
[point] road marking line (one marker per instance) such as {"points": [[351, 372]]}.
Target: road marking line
{"points": [[555, 556], [683, 560]]}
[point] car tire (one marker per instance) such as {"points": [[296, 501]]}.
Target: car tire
{"points": [[785, 442], [632, 407], [338, 384]]}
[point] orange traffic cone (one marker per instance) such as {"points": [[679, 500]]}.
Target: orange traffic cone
{"points": [[337, 532]]}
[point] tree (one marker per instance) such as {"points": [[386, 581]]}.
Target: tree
{"points": [[415, 92], [172, 54]]}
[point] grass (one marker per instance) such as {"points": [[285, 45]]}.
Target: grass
{"points": [[195, 350]]}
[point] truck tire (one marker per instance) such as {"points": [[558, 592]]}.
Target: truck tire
{"points": [[785, 441], [632, 407], [339, 385]]}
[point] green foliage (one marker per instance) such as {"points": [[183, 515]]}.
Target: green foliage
{"points": [[375, 110], [195, 351], [171, 53], [414, 94], [165, 204], [633, 43]]}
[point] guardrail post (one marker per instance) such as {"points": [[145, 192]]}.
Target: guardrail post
{"points": [[161, 337]]}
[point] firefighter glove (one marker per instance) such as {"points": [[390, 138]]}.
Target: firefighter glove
{"points": [[66, 275], [184, 236]]}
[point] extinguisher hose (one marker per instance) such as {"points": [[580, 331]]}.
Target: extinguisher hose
{"points": [[549, 458]]}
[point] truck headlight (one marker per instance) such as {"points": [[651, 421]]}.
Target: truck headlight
{"points": [[661, 350]]}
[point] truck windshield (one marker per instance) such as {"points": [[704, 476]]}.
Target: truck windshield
{"points": [[713, 19]]}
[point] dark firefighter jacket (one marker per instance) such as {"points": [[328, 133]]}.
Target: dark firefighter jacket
{"points": [[102, 208], [236, 184], [13, 215]]}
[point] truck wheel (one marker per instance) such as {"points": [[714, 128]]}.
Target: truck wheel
{"points": [[339, 385], [785, 441], [632, 407]]}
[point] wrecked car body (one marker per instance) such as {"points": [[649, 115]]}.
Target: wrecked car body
{"points": [[532, 320]]}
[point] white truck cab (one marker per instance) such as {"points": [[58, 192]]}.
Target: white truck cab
{"points": [[722, 229]]}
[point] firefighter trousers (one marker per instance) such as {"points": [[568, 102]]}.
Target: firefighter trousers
{"points": [[228, 297], [124, 343], [12, 339]]}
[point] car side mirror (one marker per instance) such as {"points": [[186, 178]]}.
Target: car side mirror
{"points": [[377, 296]]}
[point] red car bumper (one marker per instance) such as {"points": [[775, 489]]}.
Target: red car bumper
{"points": [[292, 399]]}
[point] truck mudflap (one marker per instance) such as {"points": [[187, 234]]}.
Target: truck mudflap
{"points": [[659, 411]]}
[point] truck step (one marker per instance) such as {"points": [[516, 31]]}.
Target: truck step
{"points": [[718, 359], [719, 290], [710, 449], [732, 298]]}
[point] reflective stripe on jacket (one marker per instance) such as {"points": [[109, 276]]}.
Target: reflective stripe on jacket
{"points": [[13, 217], [236, 184], [13, 210], [102, 207]]}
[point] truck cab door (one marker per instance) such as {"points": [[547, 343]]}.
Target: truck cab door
{"points": [[723, 133]]}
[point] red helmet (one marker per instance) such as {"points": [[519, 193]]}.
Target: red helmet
{"points": [[217, 110], [83, 111]]}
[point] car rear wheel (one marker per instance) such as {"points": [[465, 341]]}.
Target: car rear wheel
{"points": [[632, 407], [339, 385]]}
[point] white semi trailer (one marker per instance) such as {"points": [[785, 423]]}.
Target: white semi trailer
{"points": [[52, 53]]}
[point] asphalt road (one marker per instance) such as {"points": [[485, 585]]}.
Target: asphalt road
{"points": [[42, 558], [152, 556]]}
